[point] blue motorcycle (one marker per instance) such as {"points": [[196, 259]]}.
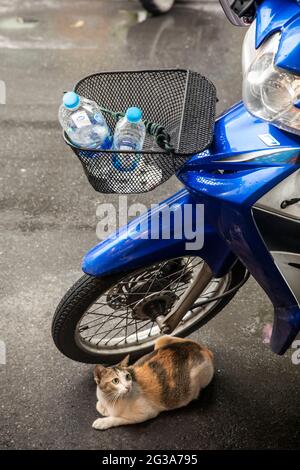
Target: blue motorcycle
{"points": [[140, 283]]}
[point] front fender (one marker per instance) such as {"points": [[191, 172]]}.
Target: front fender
{"points": [[137, 245]]}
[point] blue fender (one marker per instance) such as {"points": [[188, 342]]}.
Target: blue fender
{"points": [[136, 245]]}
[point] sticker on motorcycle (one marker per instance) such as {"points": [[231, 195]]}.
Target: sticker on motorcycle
{"points": [[269, 140]]}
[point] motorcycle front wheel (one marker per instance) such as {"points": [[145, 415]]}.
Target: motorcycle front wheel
{"points": [[157, 7], [100, 320]]}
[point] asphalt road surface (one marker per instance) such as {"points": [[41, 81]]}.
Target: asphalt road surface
{"points": [[48, 221]]}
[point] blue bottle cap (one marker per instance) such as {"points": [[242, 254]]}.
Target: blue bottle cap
{"points": [[134, 114], [71, 100]]}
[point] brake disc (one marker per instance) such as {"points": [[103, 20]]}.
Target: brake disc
{"points": [[143, 286]]}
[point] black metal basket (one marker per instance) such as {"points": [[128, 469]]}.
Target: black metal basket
{"points": [[182, 104]]}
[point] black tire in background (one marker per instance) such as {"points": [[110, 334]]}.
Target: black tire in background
{"points": [[86, 291], [157, 7]]}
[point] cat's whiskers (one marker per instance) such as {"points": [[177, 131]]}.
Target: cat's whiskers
{"points": [[115, 399], [109, 395], [112, 397]]}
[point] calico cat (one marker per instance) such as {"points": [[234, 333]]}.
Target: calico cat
{"points": [[169, 377]]}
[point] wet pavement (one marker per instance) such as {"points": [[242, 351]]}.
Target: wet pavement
{"points": [[48, 221]]}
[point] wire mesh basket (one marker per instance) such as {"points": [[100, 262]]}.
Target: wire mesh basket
{"points": [[179, 111]]}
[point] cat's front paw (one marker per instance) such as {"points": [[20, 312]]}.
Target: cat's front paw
{"points": [[102, 423]]}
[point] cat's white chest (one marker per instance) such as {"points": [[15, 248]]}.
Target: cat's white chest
{"points": [[132, 407], [135, 408]]}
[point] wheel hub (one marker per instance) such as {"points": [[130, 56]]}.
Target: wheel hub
{"points": [[154, 305]]}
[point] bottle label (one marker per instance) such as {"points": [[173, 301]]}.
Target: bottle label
{"points": [[81, 119]]}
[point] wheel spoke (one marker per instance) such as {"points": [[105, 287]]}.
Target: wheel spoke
{"points": [[94, 311], [154, 279], [83, 326], [150, 331], [136, 331], [130, 323], [98, 315], [111, 329], [103, 323], [126, 329]]}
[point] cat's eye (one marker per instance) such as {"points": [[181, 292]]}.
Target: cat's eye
{"points": [[128, 377], [115, 381]]}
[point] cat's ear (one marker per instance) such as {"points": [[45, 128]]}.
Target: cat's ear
{"points": [[125, 361], [97, 373]]}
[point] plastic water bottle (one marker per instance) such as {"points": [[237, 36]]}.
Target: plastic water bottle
{"points": [[130, 172], [84, 122], [129, 136]]}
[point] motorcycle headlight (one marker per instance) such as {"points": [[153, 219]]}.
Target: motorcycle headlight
{"points": [[269, 92]]}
